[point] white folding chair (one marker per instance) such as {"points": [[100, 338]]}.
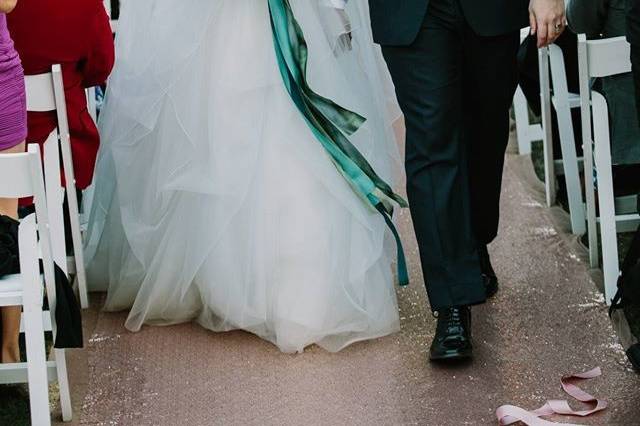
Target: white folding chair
{"points": [[603, 58], [107, 6], [21, 176], [525, 131], [45, 92], [552, 61], [114, 22], [547, 126]]}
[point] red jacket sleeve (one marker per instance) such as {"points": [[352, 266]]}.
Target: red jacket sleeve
{"points": [[101, 54]]}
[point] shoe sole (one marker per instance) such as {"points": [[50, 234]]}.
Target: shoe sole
{"points": [[491, 293], [458, 356], [491, 290]]}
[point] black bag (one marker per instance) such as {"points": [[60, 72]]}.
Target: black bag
{"points": [[68, 315], [625, 308]]}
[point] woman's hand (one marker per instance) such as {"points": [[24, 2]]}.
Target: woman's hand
{"points": [[547, 20], [7, 6]]}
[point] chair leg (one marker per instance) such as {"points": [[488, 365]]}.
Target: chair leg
{"points": [[63, 383], [76, 233], [571, 169], [547, 134], [33, 324], [590, 196], [567, 139], [521, 109], [606, 198], [55, 198], [37, 367]]}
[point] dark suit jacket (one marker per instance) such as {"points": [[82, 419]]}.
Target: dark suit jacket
{"points": [[397, 22]]}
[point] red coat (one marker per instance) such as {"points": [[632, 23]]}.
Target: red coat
{"points": [[76, 34]]}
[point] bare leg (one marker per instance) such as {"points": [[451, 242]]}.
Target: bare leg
{"points": [[9, 206], [11, 333], [11, 315]]}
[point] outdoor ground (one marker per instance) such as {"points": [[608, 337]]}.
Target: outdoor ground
{"points": [[548, 320]]}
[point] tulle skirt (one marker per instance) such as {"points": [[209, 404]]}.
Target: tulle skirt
{"points": [[213, 200]]}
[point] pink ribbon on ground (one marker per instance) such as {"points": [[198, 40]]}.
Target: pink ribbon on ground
{"points": [[510, 414]]}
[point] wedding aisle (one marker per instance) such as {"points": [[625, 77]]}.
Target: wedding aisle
{"points": [[546, 321]]}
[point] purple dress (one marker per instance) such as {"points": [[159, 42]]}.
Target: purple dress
{"points": [[13, 104]]}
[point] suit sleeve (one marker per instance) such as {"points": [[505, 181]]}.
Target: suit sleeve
{"points": [[587, 16], [101, 53]]}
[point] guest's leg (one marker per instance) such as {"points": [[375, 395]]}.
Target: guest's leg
{"points": [[9, 206], [428, 79], [490, 83], [10, 315]]}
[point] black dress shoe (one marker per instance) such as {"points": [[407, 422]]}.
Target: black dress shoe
{"points": [[488, 274], [453, 335]]}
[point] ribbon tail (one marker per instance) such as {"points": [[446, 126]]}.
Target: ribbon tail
{"points": [[403, 271], [330, 123]]}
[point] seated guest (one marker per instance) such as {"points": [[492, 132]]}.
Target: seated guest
{"points": [[76, 34], [13, 130], [605, 19]]}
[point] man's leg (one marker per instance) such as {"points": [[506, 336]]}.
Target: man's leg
{"points": [[633, 35], [490, 74], [428, 76]]}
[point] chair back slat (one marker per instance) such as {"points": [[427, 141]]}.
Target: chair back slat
{"points": [[28, 241], [45, 92], [40, 93], [55, 199], [15, 175], [607, 57]]}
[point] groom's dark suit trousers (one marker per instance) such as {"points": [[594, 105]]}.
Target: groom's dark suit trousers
{"points": [[455, 88]]}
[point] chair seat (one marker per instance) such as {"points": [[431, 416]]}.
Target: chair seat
{"points": [[11, 289]]}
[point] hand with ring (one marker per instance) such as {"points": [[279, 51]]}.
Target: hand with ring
{"points": [[547, 20]]}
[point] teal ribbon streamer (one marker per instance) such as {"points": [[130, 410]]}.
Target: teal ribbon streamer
{"points": [[330, 122]]}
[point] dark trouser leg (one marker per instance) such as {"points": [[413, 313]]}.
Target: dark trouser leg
{"points": [[633, 35], [490, 79], [429, 82]]}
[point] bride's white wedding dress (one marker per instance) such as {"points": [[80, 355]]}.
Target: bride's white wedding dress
{"points": [[214, 201]]}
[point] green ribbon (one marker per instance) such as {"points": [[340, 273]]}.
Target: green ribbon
{"points": [[330, 122]]}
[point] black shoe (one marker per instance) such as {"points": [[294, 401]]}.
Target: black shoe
{"points": [[9, 252], [488, 274], [453, 335]]}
